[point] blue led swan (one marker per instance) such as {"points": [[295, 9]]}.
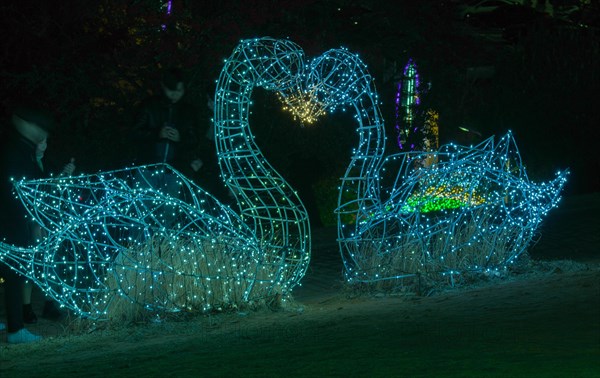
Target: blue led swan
{"points": [[149, 236], [113, 240], [429, 213]]}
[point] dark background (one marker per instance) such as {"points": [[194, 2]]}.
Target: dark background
{"points": [[92, 62]]}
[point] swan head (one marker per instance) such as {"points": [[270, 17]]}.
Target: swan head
{"points": [[339, 77], [274, 64]]}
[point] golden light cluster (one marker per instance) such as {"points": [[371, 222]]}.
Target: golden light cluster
{"points": [[304, 106]]}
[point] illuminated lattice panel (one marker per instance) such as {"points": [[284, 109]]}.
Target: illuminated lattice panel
{"points": [[135, 237]]}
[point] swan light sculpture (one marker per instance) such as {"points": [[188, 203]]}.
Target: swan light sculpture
{"points": [[113, 236], [119, 238], [450, 211], [270, 207]]}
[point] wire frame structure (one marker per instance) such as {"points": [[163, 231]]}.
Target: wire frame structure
{"points": [[146, 236], [269, 205], [444, 212], [150, 237], [431, 213]]}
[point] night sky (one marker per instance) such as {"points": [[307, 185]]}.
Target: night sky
{"points": [[92, 62]]}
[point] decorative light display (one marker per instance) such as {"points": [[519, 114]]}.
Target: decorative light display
{"points": [[473, 210], [406, 103], [434, 212], [431, 130], [148, 236], [120, 237], [442, 212], [168, 6], [270, 207], [303, 105]]}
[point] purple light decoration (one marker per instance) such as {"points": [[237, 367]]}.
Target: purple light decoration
{"points": [[409, 65], [169, 5], [398, 92], [407, 98]]}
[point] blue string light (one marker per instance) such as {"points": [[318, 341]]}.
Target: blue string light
{"points": [[131, 236], [442, 212], [127, 237]]}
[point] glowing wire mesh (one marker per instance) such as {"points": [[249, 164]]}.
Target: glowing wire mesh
{"points": [[449, 211], [268, 204], [455, 210], [149, 236]]}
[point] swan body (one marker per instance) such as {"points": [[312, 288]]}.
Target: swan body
{"points": [[473, 209], [118, 238], [386, 226], [108, 240]]}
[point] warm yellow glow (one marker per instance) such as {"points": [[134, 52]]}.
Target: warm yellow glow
{"points": [[432, 118], [454, 192], [304, 105]]}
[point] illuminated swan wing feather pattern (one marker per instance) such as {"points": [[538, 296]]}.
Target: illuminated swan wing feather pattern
{"points": [[112, 235]]}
